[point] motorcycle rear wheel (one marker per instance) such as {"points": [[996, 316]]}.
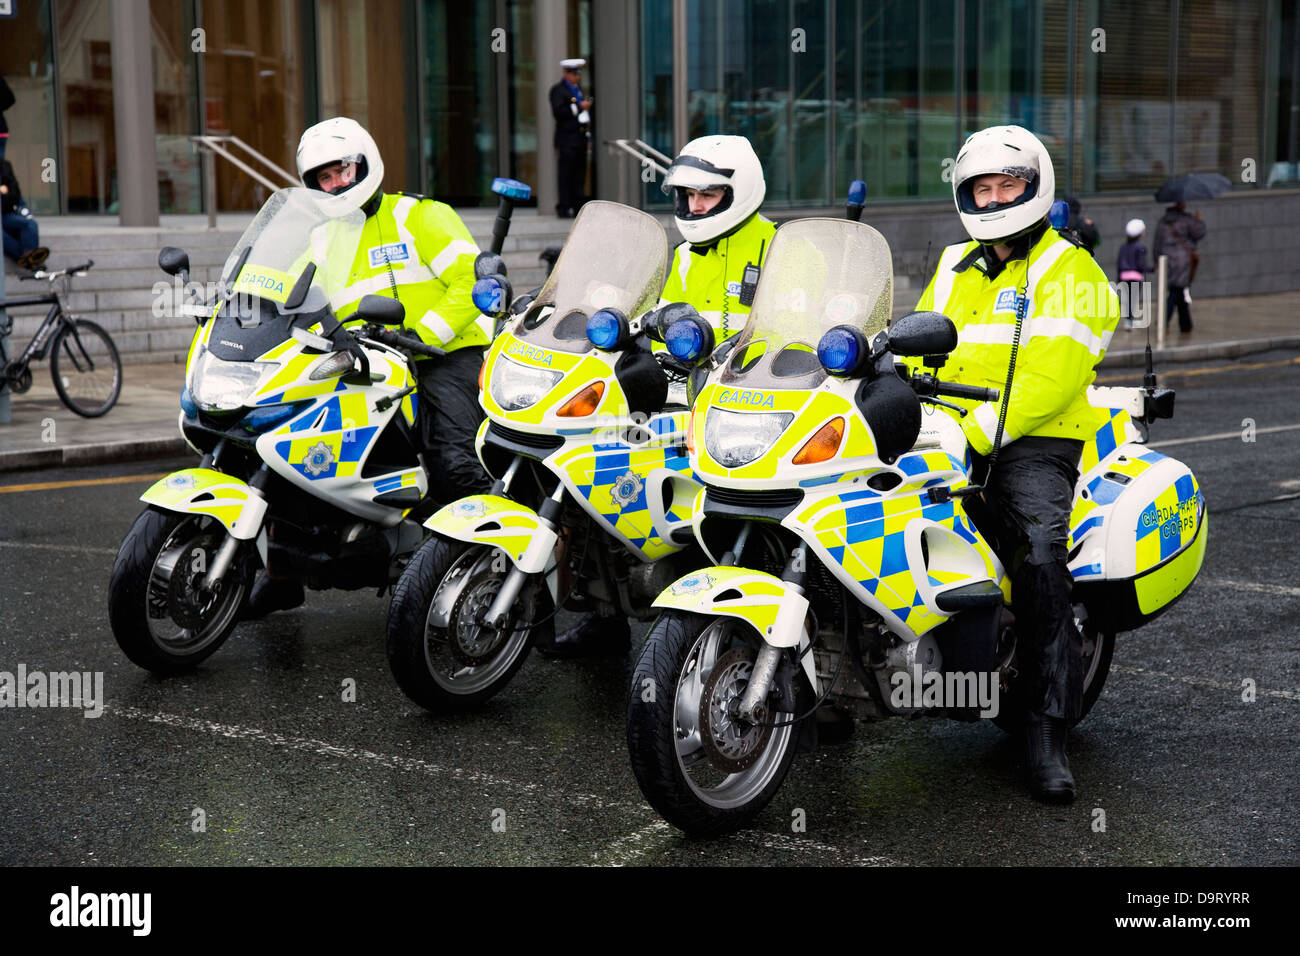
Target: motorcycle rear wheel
{"points": [[452, 669], [1098, 648], [162, 622], [705, 787]]}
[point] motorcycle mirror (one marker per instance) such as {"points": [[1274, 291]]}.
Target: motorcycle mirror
{"points": [[488, 264], [491, 295], [381, 310], [922, 333], [173, 261]]}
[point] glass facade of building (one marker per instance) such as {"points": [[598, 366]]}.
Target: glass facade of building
{"points": [[1123, 94]]}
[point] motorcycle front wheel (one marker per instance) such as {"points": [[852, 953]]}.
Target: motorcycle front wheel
{"points": [[163, 617], [453, 667], [705, 771]]}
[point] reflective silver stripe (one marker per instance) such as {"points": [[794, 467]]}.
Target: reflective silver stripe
{"points": [[376, 284], [944, 276], [402, 209], [435, 323], [683, 262], [484, 324], [1045, 262], [1003, 333], [453, 251], [986, 417]]}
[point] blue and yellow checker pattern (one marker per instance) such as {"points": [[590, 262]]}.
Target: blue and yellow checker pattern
{"points": [[864, 533], [613, 480], [335, 447], [1169, 523]]}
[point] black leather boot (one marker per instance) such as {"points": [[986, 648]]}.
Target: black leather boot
{"points": [[1049, 772], [593, 636], [272, 594]]}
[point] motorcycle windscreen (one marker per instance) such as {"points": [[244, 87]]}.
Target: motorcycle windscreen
{"points": [[291, 232], [819, 273], [615, 258]]}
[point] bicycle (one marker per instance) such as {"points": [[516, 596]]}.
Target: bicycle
{"points": [[84, 363]]}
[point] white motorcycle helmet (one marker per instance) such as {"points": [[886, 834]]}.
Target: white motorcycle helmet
{"points": [[341, 140], [1010, 151], [709, 162]]}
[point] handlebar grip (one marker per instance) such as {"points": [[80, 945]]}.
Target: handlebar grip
{"points": [[972, 392]]}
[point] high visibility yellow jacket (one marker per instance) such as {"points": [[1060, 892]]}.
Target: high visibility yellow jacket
{"points": [[709, 277], [1071, 314], [419, 252]]}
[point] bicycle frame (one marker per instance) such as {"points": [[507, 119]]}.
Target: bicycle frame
{"points": [[36, 348]]}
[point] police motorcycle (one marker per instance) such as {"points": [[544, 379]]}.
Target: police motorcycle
{"points": [[309, 461], [848, 568], [587, 453]]}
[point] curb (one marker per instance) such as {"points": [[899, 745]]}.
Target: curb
{"points": [[94, 454], [1129, 358], [136, 449]]}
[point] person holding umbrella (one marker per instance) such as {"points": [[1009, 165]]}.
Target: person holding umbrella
{"points": [[1177, 234]]}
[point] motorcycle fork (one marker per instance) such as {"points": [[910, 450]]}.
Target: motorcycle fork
{"points": [[752, 707], [226, 553], [548, 513]]}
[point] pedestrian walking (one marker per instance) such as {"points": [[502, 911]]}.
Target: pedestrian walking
{"points": [[1176, 237]]}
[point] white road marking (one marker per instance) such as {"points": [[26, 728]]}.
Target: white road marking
{"points": [[780, 841], [619, 853], [1252, 586], [626, 849], [326, 749], [80, 549], [1220, 436], [1203, 682]]}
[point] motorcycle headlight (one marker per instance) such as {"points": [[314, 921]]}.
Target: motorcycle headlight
{"points": [[733, 439], [514, 385], [220, 386]]}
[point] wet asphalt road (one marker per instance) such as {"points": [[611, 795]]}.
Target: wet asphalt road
{"points": [[284, 771]]}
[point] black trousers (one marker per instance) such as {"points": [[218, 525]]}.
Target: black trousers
{"points": [[1026, 515], [571, 166], [449, 415], [1178, 300]]}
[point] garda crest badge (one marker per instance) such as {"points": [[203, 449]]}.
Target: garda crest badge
{"points": [[627, 489], [470, 509], [692, 584], [180, 482], [319, 458]]}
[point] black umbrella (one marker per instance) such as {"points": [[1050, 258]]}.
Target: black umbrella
{"points": [[1191, 186]]}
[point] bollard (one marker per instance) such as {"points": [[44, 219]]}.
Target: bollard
{"points": [[5, 414], [1162, 266]]}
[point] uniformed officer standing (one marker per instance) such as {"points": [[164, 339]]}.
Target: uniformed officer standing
{"points": [[1020, 287], [572, 111]]}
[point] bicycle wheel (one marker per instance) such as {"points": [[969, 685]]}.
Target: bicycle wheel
{"points": [[86, 368]]}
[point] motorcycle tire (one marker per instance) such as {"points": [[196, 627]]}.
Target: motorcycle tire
{"points": [[1011, 715], [671, 760], [456, 668], [162, 623]]}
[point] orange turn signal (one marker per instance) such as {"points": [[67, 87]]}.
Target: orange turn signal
{"points": [[584, 403], [690, 434], [822, 445], [481, 369]]}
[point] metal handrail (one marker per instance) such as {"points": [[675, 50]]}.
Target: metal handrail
{"points": [[211, 146], [646, 154]]}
